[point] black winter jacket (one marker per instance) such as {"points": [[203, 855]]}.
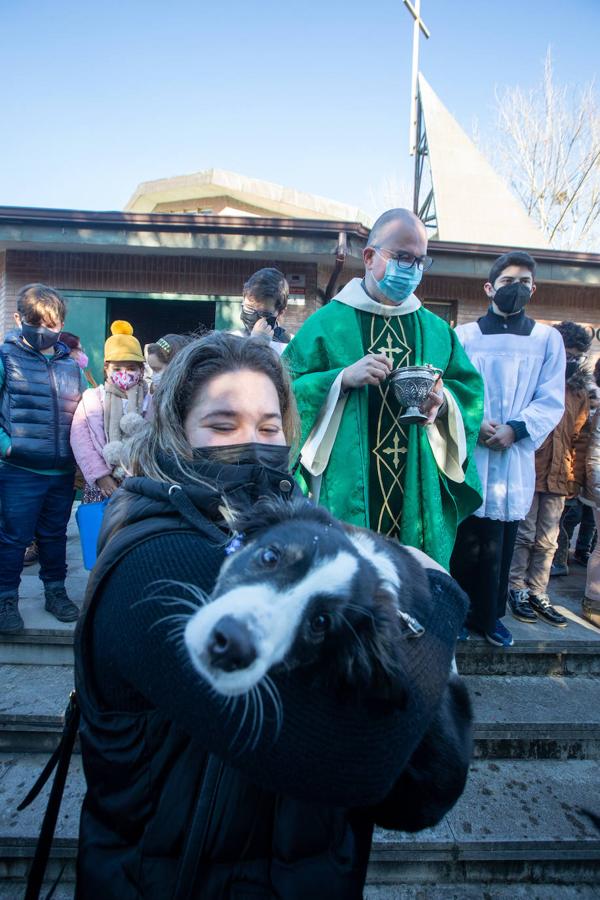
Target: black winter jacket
{"points": [[170, 774], [38, 401]]}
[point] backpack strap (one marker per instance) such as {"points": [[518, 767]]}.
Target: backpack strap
{"points": [[196, 840], [60, 760]]}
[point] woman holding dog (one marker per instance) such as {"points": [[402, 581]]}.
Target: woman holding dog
{"points": [[180, 803]]}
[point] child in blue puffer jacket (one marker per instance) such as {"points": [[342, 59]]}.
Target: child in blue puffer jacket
{"points": [[40, 387]]}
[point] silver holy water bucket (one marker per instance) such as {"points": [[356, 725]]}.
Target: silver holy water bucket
{"points": [[412, 386]]}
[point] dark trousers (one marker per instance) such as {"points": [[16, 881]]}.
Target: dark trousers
{"points": [[33, 505], [481, 565], [575, 513]]}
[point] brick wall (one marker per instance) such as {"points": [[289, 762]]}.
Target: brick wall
{"points": [[137, 273]]}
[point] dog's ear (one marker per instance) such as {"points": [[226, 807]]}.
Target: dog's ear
{"points": [[384, 641]]}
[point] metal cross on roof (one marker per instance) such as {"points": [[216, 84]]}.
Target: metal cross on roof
{"points": [[418, 27]]}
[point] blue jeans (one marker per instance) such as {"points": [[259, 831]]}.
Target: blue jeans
{"points": [[33, 505]]}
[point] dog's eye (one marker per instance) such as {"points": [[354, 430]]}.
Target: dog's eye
{"points": [[321, 623], [269, 557]]}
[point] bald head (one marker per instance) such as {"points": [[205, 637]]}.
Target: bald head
{"points": [[400, 225]]}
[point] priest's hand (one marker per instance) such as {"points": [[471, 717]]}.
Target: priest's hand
{"points": [[371, 369], [434, 403], [502, 438]]}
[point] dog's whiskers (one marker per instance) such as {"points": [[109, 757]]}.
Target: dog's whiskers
{"points": [[173, 617], [273, 693]]}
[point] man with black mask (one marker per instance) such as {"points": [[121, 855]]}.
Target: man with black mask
{"points": [[523, 367], [265, 299]]}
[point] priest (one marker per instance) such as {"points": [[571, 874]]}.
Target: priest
{"points": [[413, 482]]}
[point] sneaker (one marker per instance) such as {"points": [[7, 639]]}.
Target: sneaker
{"points": [[32, 554], [58, 603], [558, 570], [545, 610], [11, 621], [590, 610], [520, 607], [464, 634], [501, 636], [581, 557]]}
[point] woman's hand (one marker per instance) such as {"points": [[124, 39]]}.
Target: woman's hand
{"points": [[106, 485]]}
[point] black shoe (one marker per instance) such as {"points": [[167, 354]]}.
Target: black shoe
{"points": [[581, 557], [11, 621], [59, 605], [520, 607], [545, 610]]}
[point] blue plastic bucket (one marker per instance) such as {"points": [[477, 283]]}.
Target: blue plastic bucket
{"points": [[89, 520]]}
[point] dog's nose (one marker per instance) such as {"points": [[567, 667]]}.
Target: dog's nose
{"points": [[230, 646]]}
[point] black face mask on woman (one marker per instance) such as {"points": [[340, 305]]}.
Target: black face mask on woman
{"points": [[272, 456], [511, 298]]}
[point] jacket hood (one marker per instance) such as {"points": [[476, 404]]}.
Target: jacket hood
{"points": [[224, 487]]}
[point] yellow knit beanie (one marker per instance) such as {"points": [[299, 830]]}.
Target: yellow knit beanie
{"points": [[122, 346]]}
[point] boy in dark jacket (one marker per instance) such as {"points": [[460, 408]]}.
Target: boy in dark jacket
{"points": [[557, 473], [40, 387]]}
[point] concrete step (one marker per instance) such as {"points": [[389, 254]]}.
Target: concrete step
{"points": [[516, 717], [536, 717], [32, 704], [517, 822], [481, 891], [540, 649]]}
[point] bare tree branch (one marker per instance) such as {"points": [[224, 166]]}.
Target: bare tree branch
{"points": [[547, 146]]}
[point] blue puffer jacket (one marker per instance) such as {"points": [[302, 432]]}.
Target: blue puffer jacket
{"points": [[37, 402]]}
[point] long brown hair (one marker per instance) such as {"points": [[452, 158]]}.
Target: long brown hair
{"points": [[190, 371]]}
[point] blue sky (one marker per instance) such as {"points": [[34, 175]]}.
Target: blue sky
{"points": [[95, 98]]}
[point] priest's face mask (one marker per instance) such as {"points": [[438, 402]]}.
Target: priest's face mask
{"points": [[511, 291]]}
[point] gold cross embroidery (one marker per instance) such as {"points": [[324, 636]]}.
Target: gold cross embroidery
{"points": [[395, 450], [389, 349]]}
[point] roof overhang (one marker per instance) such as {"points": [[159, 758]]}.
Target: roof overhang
{"points": [[25, 228], [31, 228]]}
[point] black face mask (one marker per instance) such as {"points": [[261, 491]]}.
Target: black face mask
{"points": [[272, 456], [250, 317], [570, 368], [39, 338], [512, 298]]}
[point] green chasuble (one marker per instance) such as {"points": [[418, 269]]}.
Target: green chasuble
{"points": [[427, 505]]}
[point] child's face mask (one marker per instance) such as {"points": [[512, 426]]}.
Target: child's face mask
{"points": [[125, 380]]}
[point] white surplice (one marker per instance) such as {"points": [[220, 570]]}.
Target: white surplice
{"points": [[524, 380]]}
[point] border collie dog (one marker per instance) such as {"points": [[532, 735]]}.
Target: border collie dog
{"points": [[304, 591]]}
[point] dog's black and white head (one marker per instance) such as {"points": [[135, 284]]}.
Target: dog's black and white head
{"points": [[307, 592]]}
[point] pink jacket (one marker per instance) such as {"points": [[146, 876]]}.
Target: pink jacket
{"points": [[88, 436]]}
